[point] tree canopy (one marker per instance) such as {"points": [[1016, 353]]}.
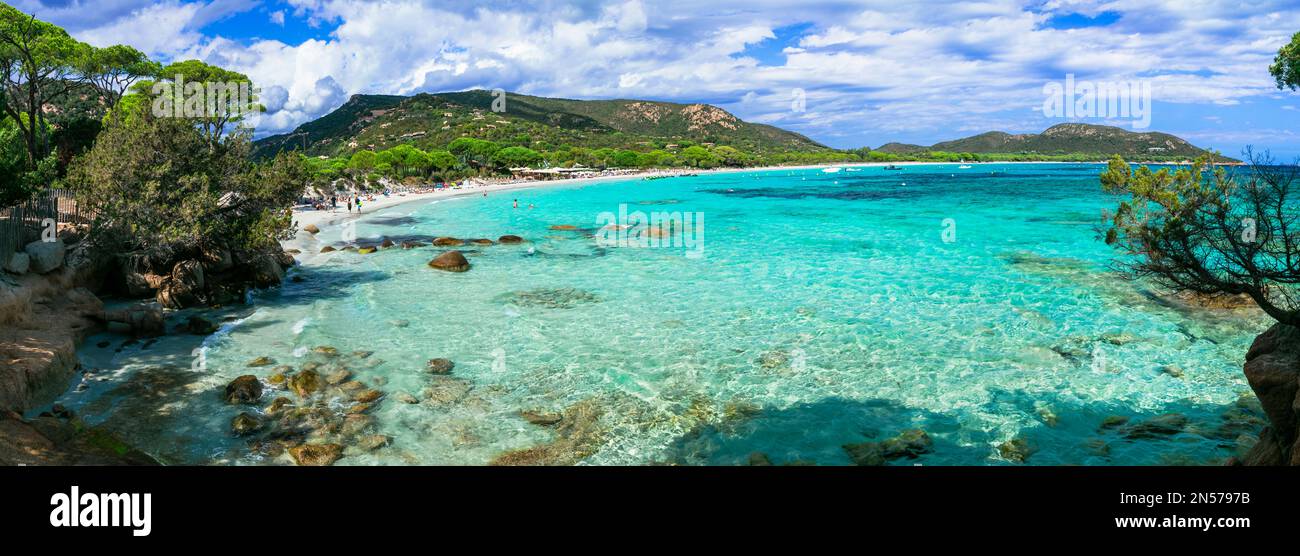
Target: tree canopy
{"points": [[1206, 230], [1286, 66]]}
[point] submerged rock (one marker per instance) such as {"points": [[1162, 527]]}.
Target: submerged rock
{"points": [[200, 326], [446, 390], [447, 242], [1172, 370], [406, 397], [245, 389], [245, 424], [541, 417], [551, 298], [439, 366], [305, 383], [451, 261], [866, 454], [1017, 449], [316, 454], [482, 241], [1113, 421], [910, 444], [262, 361], [338, 377], [327, 249], [1155, 427], [759, 459], [373, 442], [564, 227], [510, 239]]}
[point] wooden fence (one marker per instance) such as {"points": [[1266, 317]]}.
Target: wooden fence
{"points": [[18, 222]]}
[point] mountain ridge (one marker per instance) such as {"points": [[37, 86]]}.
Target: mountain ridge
{"points": [[432, 120]]}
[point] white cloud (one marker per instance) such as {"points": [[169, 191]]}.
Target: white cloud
{"points": [[873, 69]]}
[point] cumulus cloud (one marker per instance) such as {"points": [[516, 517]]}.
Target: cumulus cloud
{"points": [[870, 69]]}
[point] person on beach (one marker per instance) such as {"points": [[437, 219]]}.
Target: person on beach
{"points": [[349, 205], [358, 205], [334, 203]]}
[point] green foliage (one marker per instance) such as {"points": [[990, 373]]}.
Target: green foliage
{"points": [[1205, 230], [515, 157], [159, 181], [1286, 66]]}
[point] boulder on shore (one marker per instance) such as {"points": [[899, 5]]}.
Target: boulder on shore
{"points": [[1273, 371], [19, 263], [45, 255], [451, 261]]}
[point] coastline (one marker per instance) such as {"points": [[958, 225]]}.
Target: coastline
{"points": [[322, 218]]}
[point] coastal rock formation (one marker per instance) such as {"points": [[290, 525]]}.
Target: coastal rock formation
{"points": [[62, 439], [1273, 371], [184, 276], [451, 261]]}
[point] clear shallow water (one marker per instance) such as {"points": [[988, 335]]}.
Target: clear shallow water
{"points": [[825, 309]]}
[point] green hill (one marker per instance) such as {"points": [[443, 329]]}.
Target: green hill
{"points": [[1078, 139], [431, 121]]}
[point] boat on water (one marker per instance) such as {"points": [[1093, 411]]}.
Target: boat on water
{"points": [[832, 170], [964, 167], [893, 167]]}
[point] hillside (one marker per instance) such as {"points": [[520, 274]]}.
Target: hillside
{"points": [[1074, 138], [431, 121]]}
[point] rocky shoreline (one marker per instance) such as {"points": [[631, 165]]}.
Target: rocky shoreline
{"points": [[49, 305]]}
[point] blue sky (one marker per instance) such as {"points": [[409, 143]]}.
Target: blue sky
{"points": [[870, 71]]}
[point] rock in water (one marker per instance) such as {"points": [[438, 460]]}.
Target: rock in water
{"points": [[245, 424], [262, 361], [45, 256], [509, 239], [244, 390], [1160, 425], [1017, 449], [311, 229], [447, 242], [373, 442], [327, 249], [910, 443], [564, 227], [386, 244], [451, 261], [316, 454], [542, 418], [440, 366], [759, 459], [305, 383], [482, 241], [200, 326], [867, 454]]}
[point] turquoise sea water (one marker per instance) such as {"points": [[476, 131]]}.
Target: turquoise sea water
{"points": [[823, 309]]}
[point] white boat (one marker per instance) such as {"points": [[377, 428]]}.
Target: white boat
{"points": [[964, 167], [832, 170]]}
